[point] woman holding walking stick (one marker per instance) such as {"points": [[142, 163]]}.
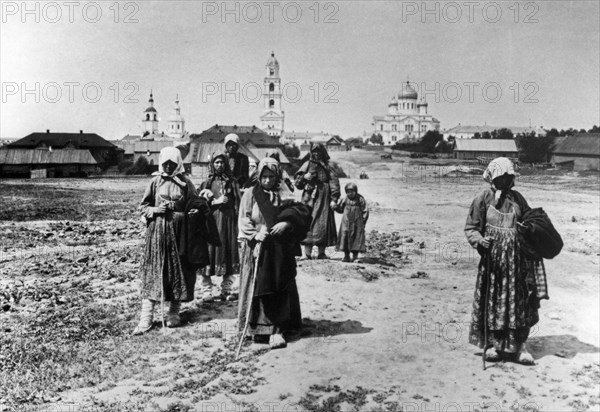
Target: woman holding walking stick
{"points": [[270, 230], [509, 284]]}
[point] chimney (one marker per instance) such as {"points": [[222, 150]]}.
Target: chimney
{"points": [[80, 131], [47, 130]]}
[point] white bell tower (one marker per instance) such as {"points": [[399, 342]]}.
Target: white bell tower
{"points": [[273, 117], [150, 119], [176, 123]]}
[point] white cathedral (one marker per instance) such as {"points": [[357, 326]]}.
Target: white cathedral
{"points": [[407, 118], [272, 119]]}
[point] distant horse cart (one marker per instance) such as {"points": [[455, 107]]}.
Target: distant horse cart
{"points": [[386, 156]]}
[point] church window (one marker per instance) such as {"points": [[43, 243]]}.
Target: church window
{"points": [[394, 127], [178, 127], [271, 72], [147, 116], [271, 87], [271, 103], [154, 117], [381, 127]]}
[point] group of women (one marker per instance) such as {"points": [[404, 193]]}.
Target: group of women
{"points": [[259, 233]]}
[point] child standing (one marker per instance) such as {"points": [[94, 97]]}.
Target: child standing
{"points": [[352, 229]]}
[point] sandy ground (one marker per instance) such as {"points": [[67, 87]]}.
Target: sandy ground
{"points": [[378, 338]]}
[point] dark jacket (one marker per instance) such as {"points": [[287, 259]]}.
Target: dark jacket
{"points": [[241, 168]]}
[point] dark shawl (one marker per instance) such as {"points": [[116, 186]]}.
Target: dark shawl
{"points": [[277, 265], [201, 229]]}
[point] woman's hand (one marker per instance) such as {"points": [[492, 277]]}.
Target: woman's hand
{"points": [[193, 211], [307, 176], [160, 209], [280, 228], [261, 235], [221, 200], [206, 193], [486, 242], [333, 204]]}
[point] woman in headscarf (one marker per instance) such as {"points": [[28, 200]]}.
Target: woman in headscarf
{"points": [[509, 285], [238, 162], [168, 272], [224, 259], [285, 178], [321, 190], [278, 224]]}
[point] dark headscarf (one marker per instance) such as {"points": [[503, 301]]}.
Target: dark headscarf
{"points": [[226, 171], [322, 150]]}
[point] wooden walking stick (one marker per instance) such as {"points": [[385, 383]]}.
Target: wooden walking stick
{"points": [[249, 301], [485, 310]]}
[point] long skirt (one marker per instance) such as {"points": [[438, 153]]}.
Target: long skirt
{"points": [[273, 313], [506, 281], [164, 274], [322, 228], [352, 230], [224, 259]]}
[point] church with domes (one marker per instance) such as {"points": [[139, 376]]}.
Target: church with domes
{"points": [[407, 119]]}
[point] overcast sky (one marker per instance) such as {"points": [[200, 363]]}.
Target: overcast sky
{"points": [[500, 63]]}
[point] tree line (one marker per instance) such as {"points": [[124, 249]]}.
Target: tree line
{"points": [[532, 148]]}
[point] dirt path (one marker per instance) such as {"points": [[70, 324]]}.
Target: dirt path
{"points": [[379, 338]]}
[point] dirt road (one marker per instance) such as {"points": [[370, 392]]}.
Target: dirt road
{"points": [[379, 336]]}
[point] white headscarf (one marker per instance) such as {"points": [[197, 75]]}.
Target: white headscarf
{"points": [[232, 137], [173, 154], [498, 167]]}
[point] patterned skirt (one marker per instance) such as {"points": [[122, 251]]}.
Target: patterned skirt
{"points": [[506, 300], [164, 274]]}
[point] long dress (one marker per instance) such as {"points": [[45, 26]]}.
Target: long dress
{"points": [[274, 299], [166, 273], [327, 188], [224, 259], [352, 227], [506, 279]]}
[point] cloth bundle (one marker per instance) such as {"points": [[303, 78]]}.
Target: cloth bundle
{"points": [[537, 236]]}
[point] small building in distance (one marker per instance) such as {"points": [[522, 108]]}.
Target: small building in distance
{"points": [[247, 134], [43, 162], [104, 152], [332, 143], [578, 152], [485, 149]]}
